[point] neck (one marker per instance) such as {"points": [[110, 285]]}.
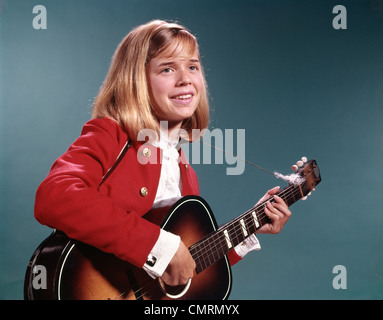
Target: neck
{"points": [[215, 245]]}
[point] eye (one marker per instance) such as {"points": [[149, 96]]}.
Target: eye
{"points": [[167, 70], [193, 68]]}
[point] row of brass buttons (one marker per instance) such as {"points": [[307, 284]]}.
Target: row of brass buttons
{"points": [[146, 152]]}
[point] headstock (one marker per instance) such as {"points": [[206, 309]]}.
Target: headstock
{"points": [[309, 170]]}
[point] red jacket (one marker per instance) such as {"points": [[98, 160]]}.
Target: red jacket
{"points": [[109, 217]]}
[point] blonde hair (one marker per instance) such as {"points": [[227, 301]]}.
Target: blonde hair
{"points": [[124, 95]]}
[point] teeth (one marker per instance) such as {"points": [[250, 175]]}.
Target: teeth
{"points": [[185, 96]]}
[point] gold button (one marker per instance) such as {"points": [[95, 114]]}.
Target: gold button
{"points": [[186, 166], [146, 152], [144, 191]]}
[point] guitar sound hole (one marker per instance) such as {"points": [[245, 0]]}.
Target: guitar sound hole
{"points": [[174, 292]]}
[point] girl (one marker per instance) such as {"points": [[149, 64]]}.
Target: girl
{"points": [[155, 83]]}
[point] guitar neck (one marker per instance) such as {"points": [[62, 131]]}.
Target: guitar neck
{"points": [[217, 244]]}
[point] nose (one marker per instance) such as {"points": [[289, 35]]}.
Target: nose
{"points": [[184, 79]]}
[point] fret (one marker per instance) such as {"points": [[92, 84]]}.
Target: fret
{"points": [[208, 251], [283, 196], [250, 224], [227, 238], [288, 195], [292, 193], [216, 249], [208, 257], [244, 229], [197, 258], [263, 218], [300, 189], [202, 260], [202, 264], [255, 217], [235, 232], [220, 247]]}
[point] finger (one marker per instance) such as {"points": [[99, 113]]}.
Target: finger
{"points": [[278, 199], [273, 191], [276, 222], [277, 214], [281, 204], [279, 209], [271, 216], [283, 208], [268, 194]]}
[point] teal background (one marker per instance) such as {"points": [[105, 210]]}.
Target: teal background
{"points": [[277, 69]]}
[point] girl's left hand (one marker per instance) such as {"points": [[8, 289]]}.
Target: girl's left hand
{"points": [[278, 213]]}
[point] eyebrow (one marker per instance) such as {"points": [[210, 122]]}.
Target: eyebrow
{"points": [[169, 63]]}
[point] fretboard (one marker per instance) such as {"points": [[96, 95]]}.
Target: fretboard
{"points": [[215, 245]]}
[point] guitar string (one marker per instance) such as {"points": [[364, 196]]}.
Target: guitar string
{"points": [[234, 156], [234, 231], [141, 295], [291, 179], [134, 292], [257, 207], [222, 241], [144, 286]]}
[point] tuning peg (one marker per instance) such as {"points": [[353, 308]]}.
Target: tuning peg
{"points": [[299, 163], [304, 198]]}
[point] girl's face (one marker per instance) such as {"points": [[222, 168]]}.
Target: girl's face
{"points": [[175, 86]]}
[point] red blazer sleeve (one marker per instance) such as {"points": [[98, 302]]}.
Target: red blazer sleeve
{"points": [[233, 257], [69, 199]]}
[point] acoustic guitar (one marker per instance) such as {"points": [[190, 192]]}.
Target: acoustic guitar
{"points": [[77, 271]]}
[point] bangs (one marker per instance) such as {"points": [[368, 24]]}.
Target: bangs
{"points": [[173, 42]]}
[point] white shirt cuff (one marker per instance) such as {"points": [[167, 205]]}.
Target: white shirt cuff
{"points": [[249, 244], [162, 253]]}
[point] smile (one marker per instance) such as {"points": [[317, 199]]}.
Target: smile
{"points": [[183, 97]]}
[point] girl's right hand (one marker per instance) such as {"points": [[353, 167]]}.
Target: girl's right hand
{"points": [[180, 269]]}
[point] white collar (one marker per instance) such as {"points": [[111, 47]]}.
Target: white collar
{"points": [[166, 143]]}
